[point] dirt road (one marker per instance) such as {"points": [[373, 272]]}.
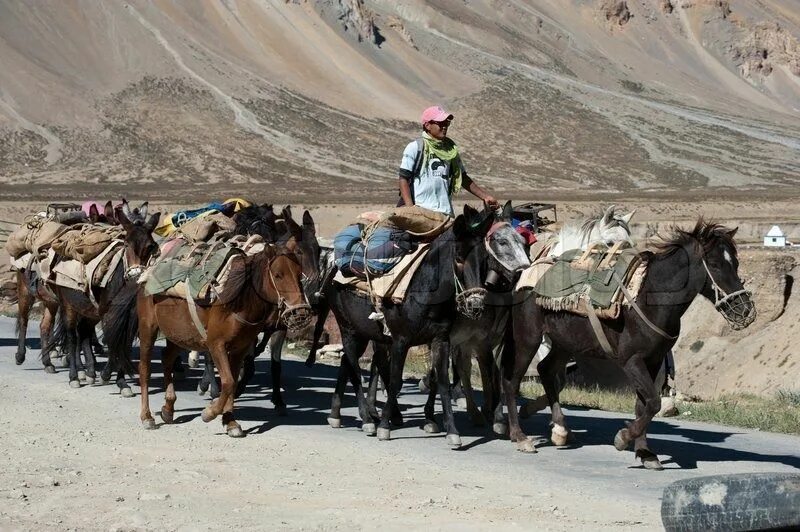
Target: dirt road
{"points": [[78, 459]]}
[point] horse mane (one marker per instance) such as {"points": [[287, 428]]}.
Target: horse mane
{"points": [[257, 219], [705, 233], [576, 235]]}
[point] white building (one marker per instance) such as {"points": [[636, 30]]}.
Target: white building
{"points": [[775, 237]]}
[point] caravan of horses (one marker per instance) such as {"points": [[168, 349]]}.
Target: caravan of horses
{"points": [[229, 279]]}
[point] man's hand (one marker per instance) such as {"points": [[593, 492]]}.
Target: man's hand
{"points": [[490, 201]]}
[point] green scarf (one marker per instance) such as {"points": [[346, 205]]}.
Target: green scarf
{"points": [[446, 150]]}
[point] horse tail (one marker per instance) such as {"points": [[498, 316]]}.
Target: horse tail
{"points": [[120, 327]]}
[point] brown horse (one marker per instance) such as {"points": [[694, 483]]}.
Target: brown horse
{"points": [[272, 293], [31, 287], [76, 306]]}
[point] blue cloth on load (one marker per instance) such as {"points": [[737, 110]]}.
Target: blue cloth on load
{"points": [[384, 249], [181, 217]]}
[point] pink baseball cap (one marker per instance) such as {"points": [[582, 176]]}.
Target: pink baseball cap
{"points": [[435, 114]]}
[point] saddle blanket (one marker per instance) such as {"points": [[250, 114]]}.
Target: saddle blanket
{"points": [[74, 274], [393, 285], [209, 273], [580, 279]]}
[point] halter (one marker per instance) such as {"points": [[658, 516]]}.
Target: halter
{"points": [[295, 317], [736, 307], [470, 301]]}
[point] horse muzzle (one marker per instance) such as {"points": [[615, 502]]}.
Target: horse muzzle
{"points": [[297, 317], [738, 309], [471, 302]]}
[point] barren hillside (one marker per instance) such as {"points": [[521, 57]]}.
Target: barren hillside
{"points": [[320, 96]]}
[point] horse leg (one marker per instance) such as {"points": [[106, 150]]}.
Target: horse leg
{"points": [[224, 403], [643, 379], [208, 375], [381, 355], [440, 353], [247, 371], [335, 417], [71, 346], [397, 361], [430, 426], [168, 356], [354, 348], [462, 364], [148, 333], [97, 347], [178, 371], [550, 369], [25, 301], [276, 368], [649, 458], [45, 330], [518, 352], [85, 338], [372, 391]]}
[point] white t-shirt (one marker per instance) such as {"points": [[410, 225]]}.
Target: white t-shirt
{"points": [[431, 187]]}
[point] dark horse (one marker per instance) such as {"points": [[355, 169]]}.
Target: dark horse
{"points": [[271, 292], [453, 271], [80, 313], [690, 263]]}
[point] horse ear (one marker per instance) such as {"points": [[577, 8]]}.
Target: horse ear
{"points": [[109, 211], [469, 212], [126, 210], [608, 215], [152, 222], [123, 219], [508, 210], [287, 212], [627, 217], [732, 232], [94, 214], [460, 225], [143, 210], [308, 223]]}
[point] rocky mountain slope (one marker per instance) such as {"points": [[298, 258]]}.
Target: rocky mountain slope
{"points": [[320, 96]]}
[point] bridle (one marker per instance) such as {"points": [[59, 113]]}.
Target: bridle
{"points": [[295, 317], [736, 307]]}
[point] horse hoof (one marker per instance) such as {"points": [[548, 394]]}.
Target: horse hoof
{"points": [[236, 432], [431, 428], [89, 381], [50, 369], [620, 440], [454, 441], [501, 429], [126, 392], [526, 446], [104, 382], [652, 463], [560, 436], [384, 434], [369, 429], [167, 415], [207, 415], [461, 402], [81, 375], [200, 390], [74, 384], [19, 359], [149, 424], [335, 422]]}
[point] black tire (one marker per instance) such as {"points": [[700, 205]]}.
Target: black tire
{"points": [[746, 501]]}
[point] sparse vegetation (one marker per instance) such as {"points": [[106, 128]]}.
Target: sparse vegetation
{"points": [[696, 346]]}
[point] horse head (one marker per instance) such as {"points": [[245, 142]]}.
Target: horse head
{"points": [[607, 228], [723, 286], [487, 249], [136, 215], [139, 243], [302, 241], [256, 220], [277, 280]]}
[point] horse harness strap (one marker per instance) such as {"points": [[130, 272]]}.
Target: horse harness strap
{"points": [[597, 327], [638, 310], [193, 312]]}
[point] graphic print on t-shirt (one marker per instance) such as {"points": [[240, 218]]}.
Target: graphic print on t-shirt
{"points": [[438, 168]]}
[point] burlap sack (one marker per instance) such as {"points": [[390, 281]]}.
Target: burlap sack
{"points": [[203, 227], [418, 221], [84, 243]]}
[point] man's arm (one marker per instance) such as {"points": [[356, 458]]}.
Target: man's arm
{"points": [[405, 191], [478, 192]]}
